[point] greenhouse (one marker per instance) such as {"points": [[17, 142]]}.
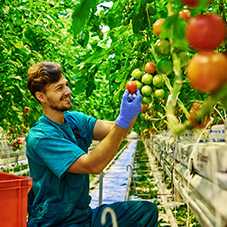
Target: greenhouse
{"points": [[113, 113]]}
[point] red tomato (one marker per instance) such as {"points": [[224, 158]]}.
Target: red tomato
{"points": [[185, 14], [191, 3], [206, 32], [19, 141], [150, 67], [131, 86], [207, 71], [194, 3], [26, 109], [157, 26]]}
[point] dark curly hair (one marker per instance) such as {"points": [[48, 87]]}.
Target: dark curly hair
{"points": [[41, 74]]}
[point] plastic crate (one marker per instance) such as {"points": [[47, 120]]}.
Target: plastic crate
{"points": [[13, 200]]}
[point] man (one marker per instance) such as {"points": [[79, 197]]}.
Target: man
{"points": [[59, 163]]}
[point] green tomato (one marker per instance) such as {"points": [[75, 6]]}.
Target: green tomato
{"points": [[158, 81], [146, 90], [139, 84], [147, 100], [147, 78], [184, 58], [136, 74], [165, 66], [162, 47], [159, 93]]}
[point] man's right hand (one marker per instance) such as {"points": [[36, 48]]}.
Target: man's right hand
{"points": [[130, 108]]}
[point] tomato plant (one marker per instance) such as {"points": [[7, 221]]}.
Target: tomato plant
{"points": [[98, 53], [131, 86], [207, 71], [150, 67], [206, 32]]}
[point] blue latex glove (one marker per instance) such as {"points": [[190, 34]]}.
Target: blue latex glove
{"points": [[130, 107]]}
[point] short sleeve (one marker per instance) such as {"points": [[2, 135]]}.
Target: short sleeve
{"points": [[58, 154]]}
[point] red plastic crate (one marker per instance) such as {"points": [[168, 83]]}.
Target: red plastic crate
{"points": [[13, 200]]}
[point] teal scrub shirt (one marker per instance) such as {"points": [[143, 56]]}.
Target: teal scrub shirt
{"points": [[58, 196]]}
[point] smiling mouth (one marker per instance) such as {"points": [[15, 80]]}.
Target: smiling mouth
{"points": [[66, 99]]}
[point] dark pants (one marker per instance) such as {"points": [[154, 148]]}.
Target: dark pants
{"points": [[128, 214]]}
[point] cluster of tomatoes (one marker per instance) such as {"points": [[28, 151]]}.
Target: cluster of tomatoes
{"points": [[149, 82], [207, 69], [16, 144]]}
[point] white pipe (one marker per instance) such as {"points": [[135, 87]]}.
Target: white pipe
{"points": [[113, 216]]}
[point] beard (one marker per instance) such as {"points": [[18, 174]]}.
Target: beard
{"points": [[60, 108]]}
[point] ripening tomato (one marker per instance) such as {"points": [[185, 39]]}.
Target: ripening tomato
{"points": [[157, 26], [206, 32], [131, 86], [185, 14], [150, 67], [13, 144], [150, 112], [191, 3], [207, 71], [144, 108]]}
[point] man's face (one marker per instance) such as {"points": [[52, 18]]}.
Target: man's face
{"points": [[58, 95]]}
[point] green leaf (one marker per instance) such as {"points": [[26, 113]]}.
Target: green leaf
{"points": [[90, 87], [179, 40], [79, 86], [98, 56], [83, 38], [167, 27], [81, 14]]}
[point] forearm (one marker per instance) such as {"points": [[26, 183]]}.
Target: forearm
{"points": [[98, 158], [130, 126]]}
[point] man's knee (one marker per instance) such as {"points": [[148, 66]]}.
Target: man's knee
{"points": [[150, 211]]}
